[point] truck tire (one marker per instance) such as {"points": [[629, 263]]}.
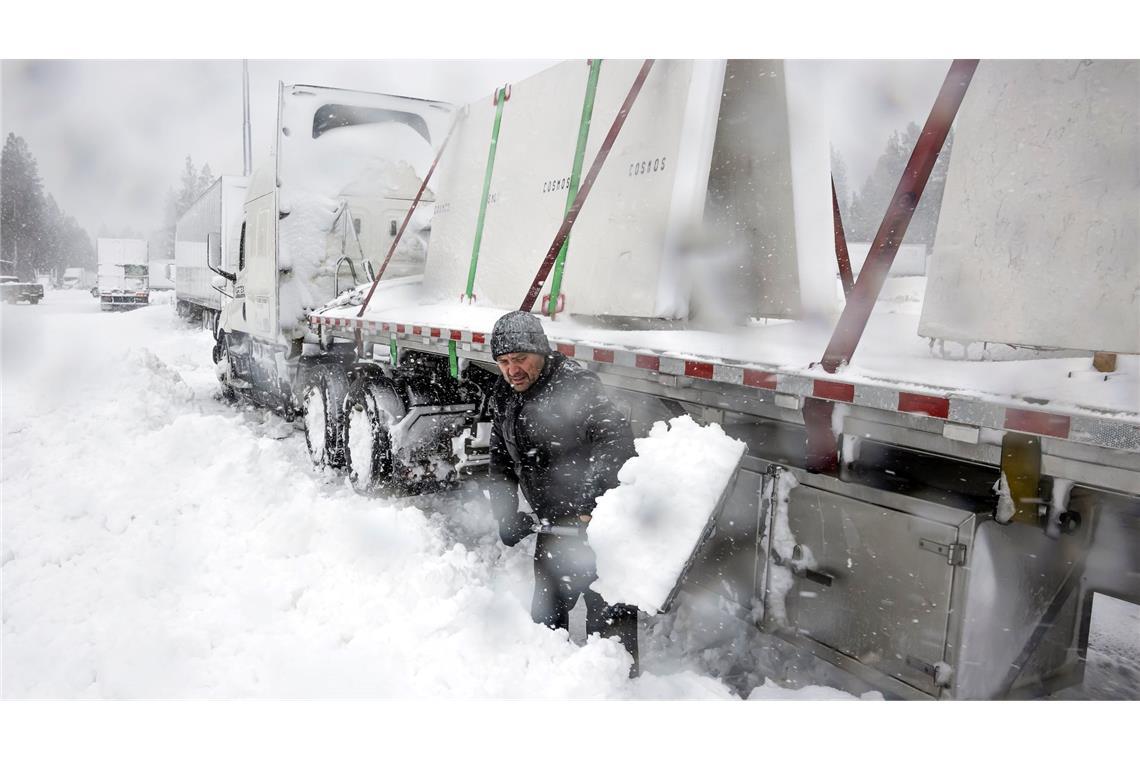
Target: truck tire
{"points": [[323, 403], [371, 409]]}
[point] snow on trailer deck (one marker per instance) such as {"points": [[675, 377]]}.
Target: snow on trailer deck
{"points": [[160, 543], [894, 368]]}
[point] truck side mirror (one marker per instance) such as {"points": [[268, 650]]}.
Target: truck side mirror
{"points": [[218, 283], [214, 256]]}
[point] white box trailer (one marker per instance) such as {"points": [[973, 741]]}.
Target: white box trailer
{"points": [[213, 221], [979, 497], [123, 273]]}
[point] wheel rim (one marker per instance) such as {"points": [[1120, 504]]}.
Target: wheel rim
{"points": [[316, 424], [361, 447]]}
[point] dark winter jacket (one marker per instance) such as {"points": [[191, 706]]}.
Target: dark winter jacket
{"points": [[562, 440]]}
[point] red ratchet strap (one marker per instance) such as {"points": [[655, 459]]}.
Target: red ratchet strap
{"points": [[408, 216], [862, 298], [584, 191], [841, 245]]}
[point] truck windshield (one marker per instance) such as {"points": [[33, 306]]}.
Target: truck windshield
{"points": [[334, 115]]}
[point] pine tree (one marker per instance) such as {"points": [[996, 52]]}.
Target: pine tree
{"points": [[192, 184], [842, 191], [870, 204], [205, 179], [21, 209]]}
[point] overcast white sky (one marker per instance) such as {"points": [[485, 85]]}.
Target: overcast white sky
{"points": [[110, 137]]}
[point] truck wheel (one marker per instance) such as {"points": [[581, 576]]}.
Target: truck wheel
{"points": [[371, 409], [324, 427]]}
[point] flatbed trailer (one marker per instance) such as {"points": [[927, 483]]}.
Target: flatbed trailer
{"points": [[983, 610]]}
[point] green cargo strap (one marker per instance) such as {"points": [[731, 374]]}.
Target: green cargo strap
{"points": [[393, 351], [501, 97], [575, 175], [452, 359]]}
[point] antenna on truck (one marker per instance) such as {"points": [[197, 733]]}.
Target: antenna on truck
{"points": [[246, 141]]}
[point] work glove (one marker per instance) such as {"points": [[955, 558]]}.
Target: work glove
{"points": [[515, 527]]}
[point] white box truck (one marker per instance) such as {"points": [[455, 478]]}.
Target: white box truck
{"points": [[123, 273], [931, 513], [78, 278]]}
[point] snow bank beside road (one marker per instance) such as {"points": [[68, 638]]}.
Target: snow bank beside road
{"points": [[645, 530], [158, 543]]}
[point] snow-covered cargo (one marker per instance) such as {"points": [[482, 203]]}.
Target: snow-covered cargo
{"points": [[213, 222], [1039, 236], [905, 453], [638, 245], [123, 273]]}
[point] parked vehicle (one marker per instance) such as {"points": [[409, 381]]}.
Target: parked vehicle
{"points": [[123, 273], [161, 274], [935, 512], [14, 291], [213, 222], [78, 278]]}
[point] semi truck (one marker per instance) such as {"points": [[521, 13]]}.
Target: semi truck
{"points": [[937, 492], [123, 280], [213, 222]]}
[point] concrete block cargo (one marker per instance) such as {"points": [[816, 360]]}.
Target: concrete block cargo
{"points": [[964, 442]]}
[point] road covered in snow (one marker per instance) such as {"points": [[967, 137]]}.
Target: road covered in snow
{"points": [[159, 542]]}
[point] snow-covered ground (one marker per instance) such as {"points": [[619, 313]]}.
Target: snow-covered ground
{"points": [[158, 542]]}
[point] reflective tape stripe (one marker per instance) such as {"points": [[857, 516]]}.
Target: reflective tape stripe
{"points": [[914, 403], [834, 391], [1041, 423], [1092, 430], [703, 370]]}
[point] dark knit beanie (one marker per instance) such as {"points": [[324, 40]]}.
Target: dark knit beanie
{"points": [[518, 331]]}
